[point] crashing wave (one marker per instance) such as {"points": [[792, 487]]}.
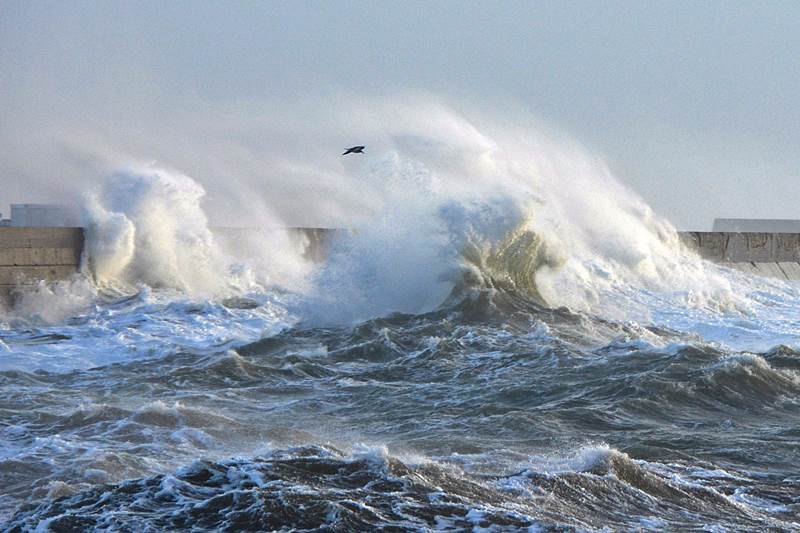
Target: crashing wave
{"points": [[319, 487]]}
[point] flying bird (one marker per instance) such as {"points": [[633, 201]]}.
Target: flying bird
{"points": [[354, 150]]}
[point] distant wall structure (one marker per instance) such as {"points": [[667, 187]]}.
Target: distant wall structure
{"points": [[774, 255], [29, 255], [44, 215], [756, 225]]}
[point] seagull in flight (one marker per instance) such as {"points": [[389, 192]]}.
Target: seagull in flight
{"points": [[354, 150]]}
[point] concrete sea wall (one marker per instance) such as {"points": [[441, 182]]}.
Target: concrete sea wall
{"points": [[29, 255], [775, 255]]}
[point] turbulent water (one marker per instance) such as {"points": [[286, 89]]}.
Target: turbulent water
{"points": [[512, 341]]}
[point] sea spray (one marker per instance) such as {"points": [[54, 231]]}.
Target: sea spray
{"points": [[456, 201], [450, 194], [109, 242], [178, 407], [148, 226]]}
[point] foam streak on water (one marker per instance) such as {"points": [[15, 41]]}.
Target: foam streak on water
{"points": [[512, 341]]}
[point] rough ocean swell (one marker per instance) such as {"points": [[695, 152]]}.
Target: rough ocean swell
{"points": [[511, 341]]}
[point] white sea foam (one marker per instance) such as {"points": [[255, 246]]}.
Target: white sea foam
{"points": [[445, 193], [454, 203], [445, 184], [151, 324], [147, 225]]}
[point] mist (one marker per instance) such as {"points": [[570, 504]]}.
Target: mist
{"points": [[690, 105]]}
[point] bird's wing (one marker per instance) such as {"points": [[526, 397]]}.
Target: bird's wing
{"points": [[354, 150]]}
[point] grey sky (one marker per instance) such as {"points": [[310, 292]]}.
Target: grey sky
{"points": [[693, 104]]}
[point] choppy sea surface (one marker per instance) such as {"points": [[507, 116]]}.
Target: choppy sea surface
{"points": [[514, 357], [494, 413]]}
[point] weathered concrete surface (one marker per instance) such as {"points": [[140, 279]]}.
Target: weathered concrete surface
{"points": [[29, 255], [792, 270], [744, 247], [11, 237], [775, 255]]}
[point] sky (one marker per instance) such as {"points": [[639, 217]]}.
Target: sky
{"points": [[694, 105]]}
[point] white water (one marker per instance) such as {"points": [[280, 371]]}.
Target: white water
{"points": [[438, 183], [147, 226], [444, 182], [445, 195]]}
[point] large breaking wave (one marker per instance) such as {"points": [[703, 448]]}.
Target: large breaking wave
{"points": [[519, 338], [455, 206]]}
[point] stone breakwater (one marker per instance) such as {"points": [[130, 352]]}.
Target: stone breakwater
{"points": [[774, 255], [30, 255]]}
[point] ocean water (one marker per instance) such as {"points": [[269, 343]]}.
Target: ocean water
{"points": [[511, 341]]}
